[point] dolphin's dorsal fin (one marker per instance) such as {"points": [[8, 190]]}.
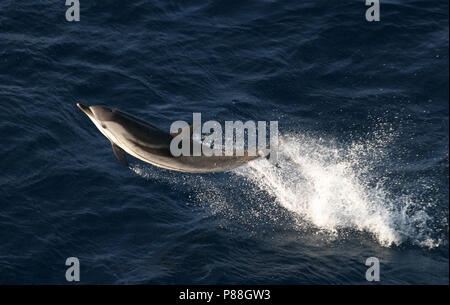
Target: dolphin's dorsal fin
{"points": [[191, 131], [120, 154]]}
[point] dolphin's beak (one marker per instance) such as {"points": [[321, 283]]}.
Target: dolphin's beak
{"points": [[85, 109]]}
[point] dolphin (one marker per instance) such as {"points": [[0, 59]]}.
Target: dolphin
{"points": [[150, 144]]}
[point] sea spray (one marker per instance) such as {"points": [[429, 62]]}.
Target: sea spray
{"points": [[336, 188], [331, 187]]}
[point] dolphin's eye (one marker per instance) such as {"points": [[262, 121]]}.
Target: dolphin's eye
{"points": [[104, 126]]}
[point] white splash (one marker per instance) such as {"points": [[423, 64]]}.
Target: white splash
{"points": [[331, 187]]}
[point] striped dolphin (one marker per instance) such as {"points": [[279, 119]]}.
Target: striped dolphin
{"points": [[150, 144]]}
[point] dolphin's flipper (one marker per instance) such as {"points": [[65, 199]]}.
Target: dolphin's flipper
{"points": [[120, 154]]}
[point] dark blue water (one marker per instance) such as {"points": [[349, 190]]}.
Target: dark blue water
{"points": [[363, 166]]}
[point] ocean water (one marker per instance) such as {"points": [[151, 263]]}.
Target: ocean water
{"points": [[363, 162]]}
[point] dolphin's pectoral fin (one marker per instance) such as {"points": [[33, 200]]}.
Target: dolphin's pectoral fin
{"points": [[120, 154]]}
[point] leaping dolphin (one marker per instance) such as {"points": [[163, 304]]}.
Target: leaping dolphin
{"points": [[151, 144]]}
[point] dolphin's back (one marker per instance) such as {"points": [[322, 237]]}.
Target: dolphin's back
{"points": [[145, 136]]}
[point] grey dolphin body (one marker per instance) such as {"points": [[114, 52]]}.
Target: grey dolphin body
{"points": [[151, 144]]}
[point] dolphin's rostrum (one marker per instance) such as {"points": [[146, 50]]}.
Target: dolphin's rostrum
{"points": [[150, 144]]}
